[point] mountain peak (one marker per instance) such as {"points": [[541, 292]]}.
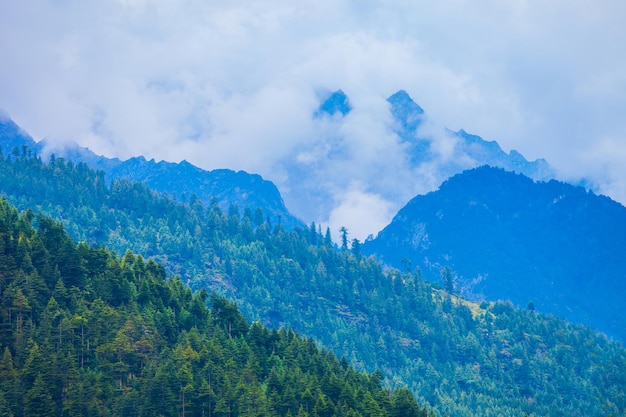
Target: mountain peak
{"points": [[402, 99], [405, 110], [337, 102]]}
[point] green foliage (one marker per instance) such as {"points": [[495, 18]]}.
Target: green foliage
{"points": [[462, 359], [116, 338]]}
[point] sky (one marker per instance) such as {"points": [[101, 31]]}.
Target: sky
{"points": [[235, 84]]}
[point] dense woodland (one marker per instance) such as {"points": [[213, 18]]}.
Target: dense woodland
{"points": [[85, 332], [462, 359]]}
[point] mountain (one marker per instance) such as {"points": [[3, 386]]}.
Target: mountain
{"points": [[459, 357], [336, 102], [85, 332], [468, 150], [385, 152], [507, 237], [182, 180], [349, 156], [226, 186]]}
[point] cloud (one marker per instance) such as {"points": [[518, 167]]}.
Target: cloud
{"points": [[234, 84], [608, 178], [360, 212]]}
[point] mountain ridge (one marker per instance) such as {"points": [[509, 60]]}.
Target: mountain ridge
{"points": [[421, 156], [182, 180]]}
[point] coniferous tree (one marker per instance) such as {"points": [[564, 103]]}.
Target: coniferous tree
{"points": [[38, 401], [344, 238]]}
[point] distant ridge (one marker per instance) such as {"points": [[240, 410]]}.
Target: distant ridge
{"points": [[339, 160], [182, 180]]}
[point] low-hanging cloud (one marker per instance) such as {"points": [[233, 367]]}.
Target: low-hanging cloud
{"points": [[361, 212], [236, 85]]}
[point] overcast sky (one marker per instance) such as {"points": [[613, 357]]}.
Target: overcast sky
{"points": [[234, 84]]}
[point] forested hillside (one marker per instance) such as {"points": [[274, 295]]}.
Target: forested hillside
{"points": [[463, 359], [86, 333]]}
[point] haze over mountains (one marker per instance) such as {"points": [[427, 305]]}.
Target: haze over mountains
{"points": [[228, 105], [430, 155], [450, 352], [356, 175], [350, 172]]}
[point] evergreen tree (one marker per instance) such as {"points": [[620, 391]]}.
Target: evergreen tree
{"points": [[9, 384], [38, 400], [344, 238]]}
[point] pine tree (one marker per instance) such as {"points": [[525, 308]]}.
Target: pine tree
{"points": [[38, 401], [344, 238], [9, 383], [5, 408]]}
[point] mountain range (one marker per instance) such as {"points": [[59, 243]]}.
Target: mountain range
{"points": [[86, 332], [351, 158], [180, 180], [481, 272], [499, 258], [468, 151], [389, 154]]}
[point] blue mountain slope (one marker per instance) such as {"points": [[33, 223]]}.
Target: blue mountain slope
{"points": [[508, 237], [182, 180], [406, 111], [12, 137], [224, 185]]}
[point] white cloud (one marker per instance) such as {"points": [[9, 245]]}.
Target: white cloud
{"points": [[360, 212], [234, 84]]}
